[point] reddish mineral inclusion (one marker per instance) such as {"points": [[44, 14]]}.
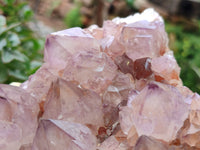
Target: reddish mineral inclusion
{"points": [[110, 88]]}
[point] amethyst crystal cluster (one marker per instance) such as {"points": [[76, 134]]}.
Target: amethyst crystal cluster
{"points": [[110, 88]]}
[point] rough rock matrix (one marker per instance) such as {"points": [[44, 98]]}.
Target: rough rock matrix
{"points": [[110, 88]]}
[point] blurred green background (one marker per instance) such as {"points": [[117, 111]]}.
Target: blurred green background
{"points": [[21, 47]]}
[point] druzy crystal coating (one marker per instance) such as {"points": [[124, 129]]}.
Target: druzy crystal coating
{"points": [[110, 88]]}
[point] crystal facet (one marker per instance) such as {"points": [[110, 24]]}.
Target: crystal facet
{"points": [[59, 135], [67, 101], [18, 117]]}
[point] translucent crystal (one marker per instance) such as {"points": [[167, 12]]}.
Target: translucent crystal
{"points": [[158, 110], [95, 31], [59, 135], [190, 132], [166, 68], [149, 143], [111, 43], [39, 83], [68, 101], [18, 117], [10, 136], [61, 45], [93, 70], [144, 39]]}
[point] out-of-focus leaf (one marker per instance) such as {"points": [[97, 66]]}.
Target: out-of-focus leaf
{"points": [[197, 70], [2, 29], [17, 74], [2, 21], [9, 28], [34, 66], [26, 12], [3, 73], [2, 44], [13, 39], [9, 55]]}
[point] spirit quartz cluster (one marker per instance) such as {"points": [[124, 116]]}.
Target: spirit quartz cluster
{"points": [[110, 88]]}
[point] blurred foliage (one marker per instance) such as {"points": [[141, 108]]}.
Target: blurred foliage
{"points": [[73, 17], [186, 47], [130, 3], [20, 53]]}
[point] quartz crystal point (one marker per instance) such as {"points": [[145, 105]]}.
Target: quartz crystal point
{"points": [[195, 110], [166, 68], [68, 101], [149, 38], [115, 87], [190, 132], [95, 31], [158, 110], [38, 84], [18, 117], [110, 43], [61, 45], [116, 95], [63, 135], [93, 70], [149, 143], [143, 35]]}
